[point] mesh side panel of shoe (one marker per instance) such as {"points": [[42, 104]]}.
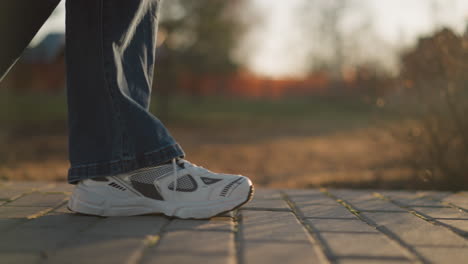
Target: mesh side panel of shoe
{"points": [[185, 183], [149, 176]]}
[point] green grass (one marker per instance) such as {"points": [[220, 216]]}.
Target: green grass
{"points": [[223, 109], [16, 109], [40, 108]]}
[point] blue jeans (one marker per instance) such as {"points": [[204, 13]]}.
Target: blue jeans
{"points": [[110, 58]]}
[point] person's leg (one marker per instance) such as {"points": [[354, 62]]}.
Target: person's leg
{"points": [[19, 22], [110, 58]]}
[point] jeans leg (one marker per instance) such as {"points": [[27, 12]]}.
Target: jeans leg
{"points": [[19, 22], [110, 60]]}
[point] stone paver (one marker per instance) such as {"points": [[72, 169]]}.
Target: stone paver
{"points": [[270, 200], [343, 235], [278, 226], [417, 233], [9, 191], [432, 207], [195, 241], [38, 199], [270, 237], [458, 199], [109, 240]]}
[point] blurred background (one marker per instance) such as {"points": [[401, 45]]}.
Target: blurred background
{"points": [[297, 94]]}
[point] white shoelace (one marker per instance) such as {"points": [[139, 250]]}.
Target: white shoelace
{"points": [[175, 177]]}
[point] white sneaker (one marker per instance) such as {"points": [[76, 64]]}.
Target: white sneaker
{"points": [[180, 189]]}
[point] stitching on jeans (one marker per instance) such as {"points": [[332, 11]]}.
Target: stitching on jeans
{"points": [[129, 159], [122, 166]]}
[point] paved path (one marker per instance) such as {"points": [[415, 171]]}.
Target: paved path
{"points": [[278, 226]]}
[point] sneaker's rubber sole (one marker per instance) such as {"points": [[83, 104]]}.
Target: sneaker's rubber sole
{"points": [[90, 203]]}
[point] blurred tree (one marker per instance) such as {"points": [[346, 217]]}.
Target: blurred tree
{"points": [[201, 33], [323, 20], [435, 71], [196, 39], [342, 37]]}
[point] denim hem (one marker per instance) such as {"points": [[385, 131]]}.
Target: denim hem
{"points": [[110, 168]]}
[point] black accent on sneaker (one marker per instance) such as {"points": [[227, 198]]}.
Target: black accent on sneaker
{"points": [[227, 187], [117, 186], [185, 183], [100, 179], [209, 181], [147, 190]]}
